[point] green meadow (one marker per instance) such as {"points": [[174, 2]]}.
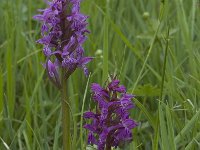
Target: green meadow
{"points": [[153, 46]]}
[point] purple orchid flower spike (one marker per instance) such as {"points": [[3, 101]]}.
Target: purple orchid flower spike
{"points": [[111, 124], [63, 33]]}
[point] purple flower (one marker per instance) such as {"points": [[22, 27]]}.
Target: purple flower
{"points": [[111, 124], [63, 33]]}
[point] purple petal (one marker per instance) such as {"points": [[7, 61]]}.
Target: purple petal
{"points": [[120, 89], [90, 127], [53, 73], [86, 72], [102, 139], [114, 83], [38, 17], [69, 63], [47, 51], [89, 115], [85, 60], [96, 87], [91, 139], [129, 123]]}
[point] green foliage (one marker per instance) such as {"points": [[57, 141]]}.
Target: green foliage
{"points": [[147, 90], [129, 38]]}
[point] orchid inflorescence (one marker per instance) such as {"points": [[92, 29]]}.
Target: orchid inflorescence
{"points": [[63, 34], [63, 30], [111, 125]]}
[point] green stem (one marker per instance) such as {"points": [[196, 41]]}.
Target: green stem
{"points": [[65, 115], [164, 65]]}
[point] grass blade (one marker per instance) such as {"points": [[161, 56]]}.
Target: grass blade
{"points": [[105, 45], [82, 109], [187, 127], [163, 131], [192, 143], [170, 129], [1, 96]]}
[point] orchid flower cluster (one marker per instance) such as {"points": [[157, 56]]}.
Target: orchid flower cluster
{"points": [[111, 125], [63, 33]]}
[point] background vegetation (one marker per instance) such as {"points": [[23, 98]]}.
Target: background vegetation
{"points": [[139, 40]]}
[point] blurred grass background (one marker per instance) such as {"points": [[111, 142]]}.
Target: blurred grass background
{"points": [[153, 46]]}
